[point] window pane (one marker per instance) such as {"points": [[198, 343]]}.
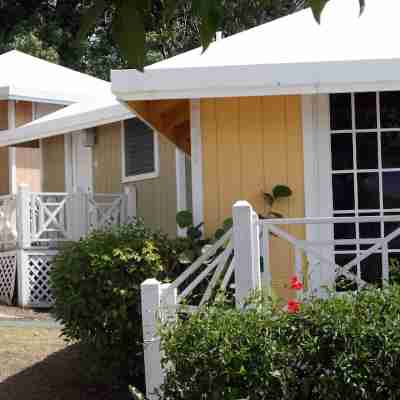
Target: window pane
{"points": [[370, 230], [390, 149], [391, 190], [368, 191], [344, 231], [139, 148], [371, 269], [389, 228], [365, 104], [343, 192], [390, 109], [340, 105], [367, 151], [342, 151]]}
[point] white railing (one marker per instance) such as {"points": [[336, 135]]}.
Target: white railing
{"points": [[47, 219], [322, 269], [8, 222], [106, 210], [238, 254]]}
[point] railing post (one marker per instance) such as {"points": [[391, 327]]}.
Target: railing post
{"points": [[151, 301], [246, 241], [79, 215], [130, 202], [23, 209]]}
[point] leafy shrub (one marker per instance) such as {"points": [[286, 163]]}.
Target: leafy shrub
{"points": [[96, 283], [346, 347]]}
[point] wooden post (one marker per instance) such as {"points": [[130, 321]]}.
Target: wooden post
{"points": [[23, 242], [79, 215], [158, 305], [130, 203], [246, 241]]}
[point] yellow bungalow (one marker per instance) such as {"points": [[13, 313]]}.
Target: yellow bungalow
{"points": [[314, 107]]}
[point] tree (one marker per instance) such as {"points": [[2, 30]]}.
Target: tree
{"points": [[132, 19]]}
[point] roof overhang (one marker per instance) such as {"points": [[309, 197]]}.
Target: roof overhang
{"points": [[61, 122], [257, 80]]}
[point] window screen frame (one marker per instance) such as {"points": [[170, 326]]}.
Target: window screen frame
{"points": [[145, 176]]}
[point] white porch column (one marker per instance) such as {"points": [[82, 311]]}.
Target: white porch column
{"points": [[246, 241], [23, 242]]}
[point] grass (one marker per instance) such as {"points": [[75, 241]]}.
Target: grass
{"points": [[36, 364]]}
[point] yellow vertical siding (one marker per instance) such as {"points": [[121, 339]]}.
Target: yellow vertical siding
{"points": [[3, 114], [156, 198], [23, 113], [53, 164], [250, 145], [28, 167]]}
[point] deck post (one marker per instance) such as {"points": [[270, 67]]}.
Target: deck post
{"points": [[130, 203], [151, 292], [23, 242], [79, 214], [246, 242]]}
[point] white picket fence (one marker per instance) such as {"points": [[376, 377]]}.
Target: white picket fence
{"points": [[239, 254], [34, 225]]}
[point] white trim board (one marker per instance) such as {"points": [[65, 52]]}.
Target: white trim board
{"points": [[257, 80], [317, 179], [12, 151], [140, 177], [181, 185], [196, 162]]}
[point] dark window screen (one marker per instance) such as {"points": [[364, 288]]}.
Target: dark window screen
{"points": [[139, 148]]}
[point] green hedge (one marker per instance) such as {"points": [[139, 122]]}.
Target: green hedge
{"points": [[345, 347], [96, 283]]}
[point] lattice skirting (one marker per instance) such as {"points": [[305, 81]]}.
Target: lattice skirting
{"points": [[38, 267], [8, 270]]}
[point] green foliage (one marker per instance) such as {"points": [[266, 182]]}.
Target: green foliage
{"points": [[278, 192], [319, 5], [345, 347], [96, 283]]}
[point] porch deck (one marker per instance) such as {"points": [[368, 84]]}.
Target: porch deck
{"points": [[34, 225]]}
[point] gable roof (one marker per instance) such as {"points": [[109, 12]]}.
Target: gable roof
{"points": [[75, 117], [290, 55], [23, 77]]}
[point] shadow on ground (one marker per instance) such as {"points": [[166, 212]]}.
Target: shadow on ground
{"points": [[57, 377]]}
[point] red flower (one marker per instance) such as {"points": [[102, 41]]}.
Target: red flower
{"points": [[295, 284], [293, 306]]}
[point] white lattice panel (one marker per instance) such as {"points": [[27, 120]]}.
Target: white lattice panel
{"points": [[106, 210], [8, 268], [38, 271]]}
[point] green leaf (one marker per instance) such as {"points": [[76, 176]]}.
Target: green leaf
{"points": [[317, 7], [89, 18], [184, 219], [210, 14], [194, 233], [129, 32], [269, 199], [219, 233], [281, 191], [227, 224]]}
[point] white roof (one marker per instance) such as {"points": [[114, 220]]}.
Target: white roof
{"points": [[75, 117], [290, 55], [23, 77]]}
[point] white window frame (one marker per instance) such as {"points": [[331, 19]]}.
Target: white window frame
{"points": [[140, 177]]}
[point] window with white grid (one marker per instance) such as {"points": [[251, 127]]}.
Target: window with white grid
{"points": [[365, 150]]}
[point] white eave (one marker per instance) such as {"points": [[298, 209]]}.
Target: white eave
{"points": [[75, 117], [291, 55], [23, 77]]}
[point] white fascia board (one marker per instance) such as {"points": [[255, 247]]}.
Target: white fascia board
{"points": [[37, 130], [4, 92], [257, 80], [42, 96]]}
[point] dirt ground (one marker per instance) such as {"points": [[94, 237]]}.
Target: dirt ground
{"points": [[36, 364], [11, 312]]}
